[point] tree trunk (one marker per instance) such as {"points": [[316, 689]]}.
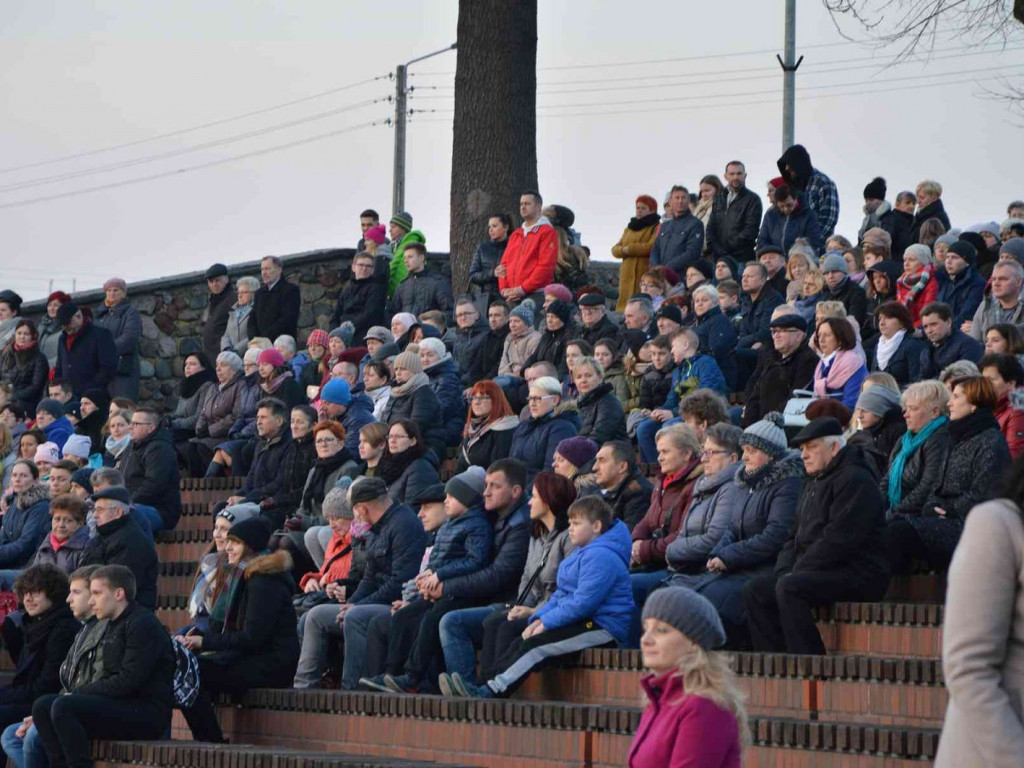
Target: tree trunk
{"points": [[494, 155]]}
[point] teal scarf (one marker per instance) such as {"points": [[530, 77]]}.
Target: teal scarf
{"points": [[908, 444]]}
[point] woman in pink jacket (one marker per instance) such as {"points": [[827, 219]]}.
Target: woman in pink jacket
{"points": [[695, 716]]}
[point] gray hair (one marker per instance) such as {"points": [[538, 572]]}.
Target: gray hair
{"points": [[725, 435], [335, 503], [958, 369], [548, 385], [831, 440], [286, 341], [681, 436], [106, 476], [644, 305], [1011, 264], [803, 248], [248, 283], [275, 260], [708, 290], [930, 393], [230, 358], [252, 356]]}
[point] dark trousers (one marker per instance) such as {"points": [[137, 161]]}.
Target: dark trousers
{"points": [[903, 545], [779, 607], [377, 634], [414, 640], [502, 639], [234, 679], [66, 724]]}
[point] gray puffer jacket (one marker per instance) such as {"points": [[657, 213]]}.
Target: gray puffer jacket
{"points": [[546, 552], [715, 499]]}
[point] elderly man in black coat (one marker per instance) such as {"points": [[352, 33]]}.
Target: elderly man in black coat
{"points": [[782, 368], [215, 318], [120, 541], [834, 551], [275, 309]]}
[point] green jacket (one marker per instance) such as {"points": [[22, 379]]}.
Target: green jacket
{"points": [[398, 270]]}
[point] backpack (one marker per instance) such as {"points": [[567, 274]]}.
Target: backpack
{"points": [[186, 676]]}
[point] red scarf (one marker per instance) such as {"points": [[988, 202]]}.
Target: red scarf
{"points": [[18, 348], [57, 544]]}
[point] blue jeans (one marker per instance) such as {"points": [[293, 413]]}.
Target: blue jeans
{"points": [[643, 585], [24, 753], [462, 632], [357, 625], [8, 575], [645, 432]]}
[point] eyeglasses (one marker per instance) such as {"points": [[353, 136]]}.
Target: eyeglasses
{"points": [[780, 331], [708, 452], [538, 398], [140, 424], [326, 440], [480, 398]]}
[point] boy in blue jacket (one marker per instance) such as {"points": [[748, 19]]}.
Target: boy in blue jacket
{"points": [[462, 545], [591, 607]]}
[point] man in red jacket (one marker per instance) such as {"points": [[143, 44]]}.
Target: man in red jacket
{"points": [[530, 256], [1007, 376]]}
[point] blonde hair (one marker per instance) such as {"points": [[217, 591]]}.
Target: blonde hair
{"points": [[709, 674], [260, 342], [930, 187], [930, 393], [830, 309], [881, 379]]}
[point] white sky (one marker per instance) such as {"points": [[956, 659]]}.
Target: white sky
{"points": [[79, 76]]}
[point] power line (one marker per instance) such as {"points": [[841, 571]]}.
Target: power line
{"points": [[201, 126], [201, 166], [187, 150]]}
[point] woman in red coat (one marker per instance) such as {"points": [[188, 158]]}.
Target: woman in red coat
{"points": [[695, 716]]}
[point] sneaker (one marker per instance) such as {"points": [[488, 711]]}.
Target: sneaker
{"points": [[374, 684], [470, 691], [400, 684], [444, 682]]}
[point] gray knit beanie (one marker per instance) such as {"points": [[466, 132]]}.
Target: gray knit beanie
{"points": [[878, 400], [525, 311], [921, 252], [690, 613], [468, 487], [834, 262], [767, 435]]}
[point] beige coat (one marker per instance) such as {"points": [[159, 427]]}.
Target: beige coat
{"points": [[983, 643], [516, 352]]}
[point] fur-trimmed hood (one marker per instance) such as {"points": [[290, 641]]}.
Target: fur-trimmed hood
{"points": [[566, 406], [274, 564], [33, 495], [790, 465], [1017, 399]]}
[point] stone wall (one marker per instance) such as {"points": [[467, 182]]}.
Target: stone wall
{"points": [[172, 310]]}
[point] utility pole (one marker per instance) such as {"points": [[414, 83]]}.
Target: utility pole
{"points": [[401, 117], [789, 67]]}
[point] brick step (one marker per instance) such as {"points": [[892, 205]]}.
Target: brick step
{"points": [[828, 688], [523, 734], [188, 546], [882, 629], [108, 754]]}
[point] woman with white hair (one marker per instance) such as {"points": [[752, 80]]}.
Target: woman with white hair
{"points": [[445, 381], [550, 422], [601, 415], [715, 331], [218, 412], [236, 334], [918, 286]]}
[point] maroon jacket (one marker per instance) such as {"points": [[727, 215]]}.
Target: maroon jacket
{"points": [[679, 731], [668, 505]]}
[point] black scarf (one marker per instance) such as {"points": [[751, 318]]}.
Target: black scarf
{"points": [[649, 220], [191, 384], [971, 425], [392, 465], [37, 628], [315, 491]]}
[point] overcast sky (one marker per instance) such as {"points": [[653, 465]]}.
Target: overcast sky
{"points": [[674, 91]]}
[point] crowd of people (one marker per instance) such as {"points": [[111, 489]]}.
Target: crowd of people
{"points": [[445, 491]]}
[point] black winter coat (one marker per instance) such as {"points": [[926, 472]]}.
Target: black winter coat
{"points": [[972, 463], [733, 229], [123, 542], [839, 522], [91, 363], [37, 669], [922, 473], [466, 346], [905, 363], [486, 259], [215, 320], [756, 317], [601, 415], [297, 464], [902, 233], [774, 380], [422, 406], [422, 291], [364, 304], [499, 581], [605, 329], [486, 357], [855, 301], [630, 499], [495, 442], [267, 476], [138, 661], [275, 312], [417, 477], [655, 386], [878, 441], [258, 638], [717, 337], [552, 349], [964, 293], [934, 210], [151, 475], [394, 548], [27, 373]]}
